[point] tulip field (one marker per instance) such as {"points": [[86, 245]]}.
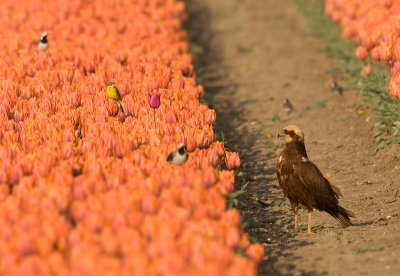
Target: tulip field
{"points": [[375, 26], [85, 189]]}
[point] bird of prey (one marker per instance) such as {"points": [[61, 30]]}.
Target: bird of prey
{"points": [[43, 44], [337, 89], [287, 106], [303, 183], [179, 156]]}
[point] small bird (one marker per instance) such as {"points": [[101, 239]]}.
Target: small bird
{"points": [[179, 156], [337, 89], [303, 183], [78, 133], [287, 106], [113, 93], [43, 44]]}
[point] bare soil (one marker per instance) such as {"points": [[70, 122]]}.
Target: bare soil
{"points": [[256, 54]]}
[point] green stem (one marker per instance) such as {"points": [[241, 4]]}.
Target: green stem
{"points": [[155, 123]]}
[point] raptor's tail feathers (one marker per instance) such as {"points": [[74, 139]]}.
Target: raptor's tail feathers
{"points": [[336, 190], [343, 216]]}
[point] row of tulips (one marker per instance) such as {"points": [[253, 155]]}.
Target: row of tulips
{"points": [[86, 189], [374, 25]]}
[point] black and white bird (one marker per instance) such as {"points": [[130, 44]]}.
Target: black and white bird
{"points": [[179, 156], [43, 44], [287, 106], [337, 89]]}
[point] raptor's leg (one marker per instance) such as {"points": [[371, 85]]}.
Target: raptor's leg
{"points": [[295, 208], [309, 222]]}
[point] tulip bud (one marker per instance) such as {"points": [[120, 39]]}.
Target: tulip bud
{"points": [[171, 118], [219, 149], [154, 100], [122, 57], [209, 176], [385, 51], [210, 116], [366, 70], [232, 236], [255, 251], [375, 54], [118, 149], [155, 140], [201, 139], [213, 158], [232, 160], [361, 53], [190, 143], [112, 108], [15, 174]]}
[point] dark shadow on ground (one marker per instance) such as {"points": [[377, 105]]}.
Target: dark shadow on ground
{"points": [[277, 236]]}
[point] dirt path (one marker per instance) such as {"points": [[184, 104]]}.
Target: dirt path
{"points": [[257, 53]]}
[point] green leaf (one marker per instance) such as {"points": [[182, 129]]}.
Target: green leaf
{"points": [[241, 49], [303, 227], [334, 172], [234, 203], [252, 223], [195, 48], [276, 119], [249, 102], [263, 204], [320, 104], [236, 194], [243, 188], [279, 203], [370, 248], [380, 131], [381, 144], [240, 252], [253, 239]]}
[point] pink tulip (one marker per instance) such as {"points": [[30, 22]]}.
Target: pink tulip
{"points": [[154, 100]]}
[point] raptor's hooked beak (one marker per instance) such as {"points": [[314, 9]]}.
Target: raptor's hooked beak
{"points": [[281, 134]]}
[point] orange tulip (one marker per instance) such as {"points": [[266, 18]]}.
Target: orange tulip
{"points": [[361, 53], [232, 160]]}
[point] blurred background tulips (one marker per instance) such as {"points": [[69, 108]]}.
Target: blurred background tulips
{"points": [[86, 189], [375, 26]]}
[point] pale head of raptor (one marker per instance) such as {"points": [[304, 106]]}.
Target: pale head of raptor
{"points": [[291, 133]]}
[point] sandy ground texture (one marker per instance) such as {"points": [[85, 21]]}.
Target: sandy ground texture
{"points": [[257, 54]]}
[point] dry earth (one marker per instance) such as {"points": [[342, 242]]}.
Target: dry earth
{"points": [[256, 54]]}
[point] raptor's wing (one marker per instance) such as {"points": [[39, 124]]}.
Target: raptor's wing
{"points": [[316, 184]]}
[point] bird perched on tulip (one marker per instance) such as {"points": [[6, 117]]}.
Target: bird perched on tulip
{"points": [[287, 106], [77, 132], [179, 156], [337, 89], [303, 183], [43, 44], [113, 93]]}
